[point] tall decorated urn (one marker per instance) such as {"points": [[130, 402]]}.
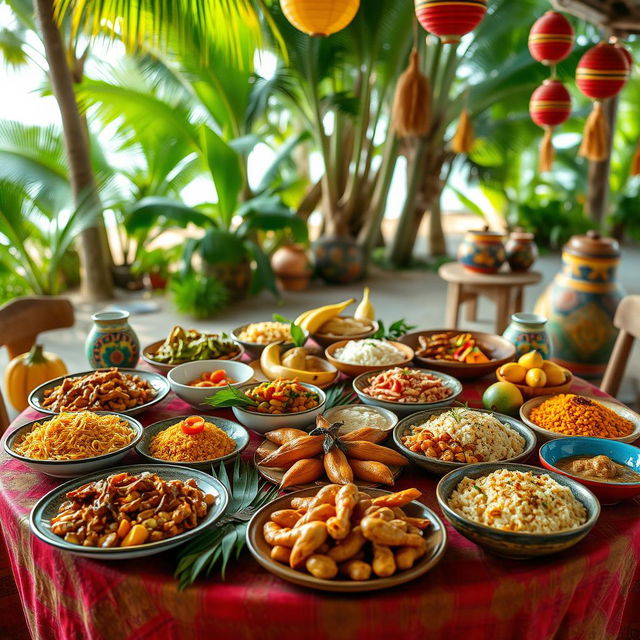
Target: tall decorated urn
{"points": [[112, 342], [581, 302]]}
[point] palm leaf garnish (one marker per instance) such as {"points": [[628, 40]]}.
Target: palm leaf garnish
{"points": [[338, 396], [230, 397], [216, 546]]}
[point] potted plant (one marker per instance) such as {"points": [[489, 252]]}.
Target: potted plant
{"points": [[155, 266]]}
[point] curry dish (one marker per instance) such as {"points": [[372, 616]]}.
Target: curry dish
{"points": [[599, 468]]}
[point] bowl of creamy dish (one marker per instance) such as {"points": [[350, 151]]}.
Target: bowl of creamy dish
{"points": [[610, 468], [357, 416], [344, 328]]}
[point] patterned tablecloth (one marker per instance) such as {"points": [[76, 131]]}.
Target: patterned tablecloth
{"points": [[591, 591]]}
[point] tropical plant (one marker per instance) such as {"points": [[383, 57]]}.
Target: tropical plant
{"points": [[198, 295]]}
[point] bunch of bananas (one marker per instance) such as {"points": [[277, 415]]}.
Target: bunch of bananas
{"points": [[313, 319], [296, 364]]}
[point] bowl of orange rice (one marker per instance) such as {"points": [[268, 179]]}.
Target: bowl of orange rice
{"points": [[181, 441]]}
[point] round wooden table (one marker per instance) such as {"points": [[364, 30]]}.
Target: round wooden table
{"points": [[505, 288], [589, 591]]}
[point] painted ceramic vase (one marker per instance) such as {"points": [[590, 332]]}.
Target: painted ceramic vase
{"points": [[521, 250], [292, 267], [581, 302], [482, 251], [339, 260], [527, 332], [112, 342]]}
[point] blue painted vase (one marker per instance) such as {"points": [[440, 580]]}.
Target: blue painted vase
{"points": [[581, 303], [339, 260], [527, 332], [112, 342], [482, 251]]}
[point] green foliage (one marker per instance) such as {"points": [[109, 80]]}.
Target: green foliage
{"points": [[198, 296], [216, 546], [339, 395], [396, 330]]}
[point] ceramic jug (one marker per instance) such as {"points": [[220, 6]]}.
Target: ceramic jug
{"points": [[112, 342], [581, 302], [527, 332], [521, 250], [482, 251]]}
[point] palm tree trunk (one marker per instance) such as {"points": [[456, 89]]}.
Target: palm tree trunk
{"points": [[96, 276], [437, 245]]}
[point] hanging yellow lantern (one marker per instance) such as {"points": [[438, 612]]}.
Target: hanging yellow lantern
{"points": [[320, 17]]}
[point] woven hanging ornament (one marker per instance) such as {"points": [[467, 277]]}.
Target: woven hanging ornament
{"points": [[412, 101], [550, 106], [450, 19], [601, 74], [319, 17], [463, 139], [551, 38]]}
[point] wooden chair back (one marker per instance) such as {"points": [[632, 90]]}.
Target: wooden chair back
{"points": [[22, 319], [627, 320]]}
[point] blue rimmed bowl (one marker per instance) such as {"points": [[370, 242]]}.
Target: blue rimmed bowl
{"points": [[73, 468], [406, 408], [442, 467], [234, 430], [607, 492], [509, 543]]}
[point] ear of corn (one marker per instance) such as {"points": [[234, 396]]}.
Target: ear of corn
{"points": [[362, 450], [302, 472], [337, 467], [294, 450], [370, 434], [371, 471]]}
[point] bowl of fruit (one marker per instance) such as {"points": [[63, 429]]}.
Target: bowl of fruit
{"points": [[463, 355], [535, 376]]}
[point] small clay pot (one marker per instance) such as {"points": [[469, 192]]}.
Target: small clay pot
{"points": [[292, 267], [482, 251], [521, 249]]}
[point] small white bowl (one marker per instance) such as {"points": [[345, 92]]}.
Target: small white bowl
{"points": [[180, 376], [265, 422], [390, 416]]}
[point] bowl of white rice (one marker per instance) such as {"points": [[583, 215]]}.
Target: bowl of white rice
{"points": [[517, 510], [478, 434], [354, 357]]}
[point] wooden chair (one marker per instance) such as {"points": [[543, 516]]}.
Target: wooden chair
{"points": [[21, 320], [627, 319]]}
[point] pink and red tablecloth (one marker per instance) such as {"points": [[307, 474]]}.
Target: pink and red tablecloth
{"points": [[589, 592]]}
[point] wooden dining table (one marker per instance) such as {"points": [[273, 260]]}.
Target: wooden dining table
{"points": [[591, 591]]}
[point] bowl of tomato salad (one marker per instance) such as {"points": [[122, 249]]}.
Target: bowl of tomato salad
{"points": [[280, 403], [196, 381]]}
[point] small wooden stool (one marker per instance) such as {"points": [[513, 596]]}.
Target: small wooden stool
{"points": [[505, 288]]}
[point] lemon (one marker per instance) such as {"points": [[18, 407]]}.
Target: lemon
{"points": [[531, 360], [536, 377], [503, 397], [555, 373], [513, 372]]}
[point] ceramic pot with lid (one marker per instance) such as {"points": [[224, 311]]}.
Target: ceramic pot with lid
{"points": [[482, 251], [522, 250], [581, 302]]}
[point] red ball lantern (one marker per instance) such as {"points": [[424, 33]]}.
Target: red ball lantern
{"points": [[602, 71], [450, 19], [551, 38], [550, 106]]}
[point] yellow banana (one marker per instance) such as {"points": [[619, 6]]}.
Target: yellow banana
{"points": [[302, 316], [270, 363], [365, 310], [317, 317]]}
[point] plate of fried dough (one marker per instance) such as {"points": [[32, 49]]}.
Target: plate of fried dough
{"points": [[345, 538]]}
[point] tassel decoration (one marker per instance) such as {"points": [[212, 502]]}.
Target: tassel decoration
{"points": [[463, 139], [412, 101], [547, 153], [595, 140], [635, 162]]}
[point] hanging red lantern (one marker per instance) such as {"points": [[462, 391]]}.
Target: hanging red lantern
{"points": [[550, 106], [601, 74], [450, 19], [627, 54], [551, 38]]}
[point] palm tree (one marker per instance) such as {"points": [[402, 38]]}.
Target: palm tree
{"points": [[148, 20]]}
